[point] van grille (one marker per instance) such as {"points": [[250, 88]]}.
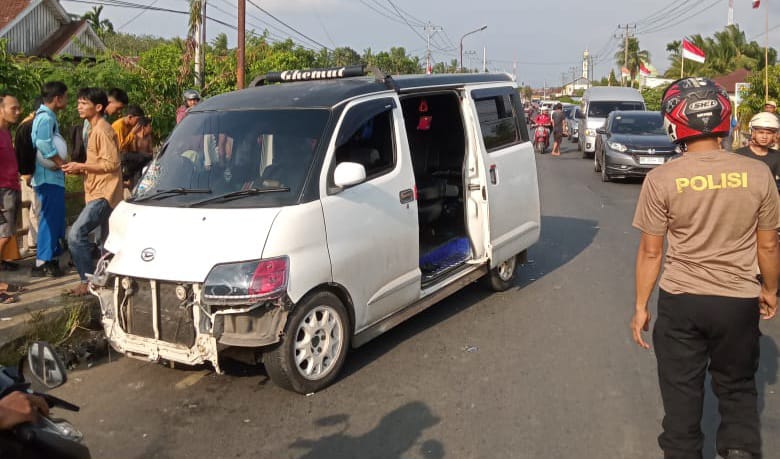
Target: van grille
{"points": [[175, 316]]}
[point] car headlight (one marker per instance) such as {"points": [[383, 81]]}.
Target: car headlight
{"points": [[590, 132], [617, 146], [247, 281], [678, 150]]}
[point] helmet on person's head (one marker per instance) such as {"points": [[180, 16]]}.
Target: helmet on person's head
{"points": [[765, 120], [695, 107], [545, 109], [191, 94]]}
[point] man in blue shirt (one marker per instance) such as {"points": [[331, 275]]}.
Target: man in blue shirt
{"points": [[49, 180]]}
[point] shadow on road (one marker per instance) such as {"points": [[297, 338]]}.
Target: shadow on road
{"points": [[562, 239], [396, 435], [766, 376]]}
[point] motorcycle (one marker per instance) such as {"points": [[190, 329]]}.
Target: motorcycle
{"points": [[541, 138], [49, 437]]}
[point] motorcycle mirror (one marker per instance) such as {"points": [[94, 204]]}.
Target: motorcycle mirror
{"points": [[45, 365]]}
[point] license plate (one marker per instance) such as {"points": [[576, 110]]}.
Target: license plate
{"points": [[651, 160]]}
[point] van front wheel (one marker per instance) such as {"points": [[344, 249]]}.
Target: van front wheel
{"points": [[314, 345], [502, 276]]}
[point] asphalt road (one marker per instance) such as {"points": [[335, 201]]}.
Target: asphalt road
{"points": [[544, 370]]}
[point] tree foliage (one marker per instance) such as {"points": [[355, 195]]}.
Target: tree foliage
{"points": [[635, 56], [102, 27], [725, 51], [753, 99]]}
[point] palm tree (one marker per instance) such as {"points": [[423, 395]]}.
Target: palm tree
{"points": [[635, 55], [101, 27], [726, 51]]}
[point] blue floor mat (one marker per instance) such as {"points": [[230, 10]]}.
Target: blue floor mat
{"points": [[446, 256]]}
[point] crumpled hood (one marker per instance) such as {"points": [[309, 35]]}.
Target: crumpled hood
{"points": [[181, 244]]}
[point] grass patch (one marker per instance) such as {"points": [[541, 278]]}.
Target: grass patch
{"points": [[66, 326], [74, 197]]}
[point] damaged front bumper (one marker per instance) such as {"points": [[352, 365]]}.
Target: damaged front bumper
{"points": [[161, 320]]}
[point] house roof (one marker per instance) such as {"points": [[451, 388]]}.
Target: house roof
{"points": [[11, 10], [60, 39], [729, 81]]}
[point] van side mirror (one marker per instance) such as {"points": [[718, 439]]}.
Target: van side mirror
{"points": [[348, 174], [45, 365], [579, 115]]}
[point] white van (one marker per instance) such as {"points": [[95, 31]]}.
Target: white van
{"points": [[302, 219], [596, 104]]}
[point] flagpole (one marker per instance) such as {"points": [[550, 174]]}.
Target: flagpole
{"points": [[682, 59], [766, 52]]}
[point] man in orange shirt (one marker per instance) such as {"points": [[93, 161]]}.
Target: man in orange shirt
{"points": [[102, 183], [127, 127]]}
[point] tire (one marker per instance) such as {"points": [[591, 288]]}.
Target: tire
{"points": [[502, 276], [604, 176], [596, 164], [579, 145], [539, 147], [328, 323]]}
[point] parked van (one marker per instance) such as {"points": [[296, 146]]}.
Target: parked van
{"points": [[303, 219], [596, 104]]}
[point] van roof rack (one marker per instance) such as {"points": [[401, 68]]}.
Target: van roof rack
{"points": [[318, 74]]}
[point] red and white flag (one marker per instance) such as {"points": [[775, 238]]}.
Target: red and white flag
{"points": [[692, 52], [756, 3], [644, 71]]}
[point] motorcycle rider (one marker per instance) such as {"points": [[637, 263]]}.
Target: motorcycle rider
{"points": [[19, 407], [191, 99], [543, 119]]}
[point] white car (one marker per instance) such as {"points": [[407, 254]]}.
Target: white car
{"points": [[302, 219]]}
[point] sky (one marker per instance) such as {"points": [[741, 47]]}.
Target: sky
{"points": [[546, 39]]}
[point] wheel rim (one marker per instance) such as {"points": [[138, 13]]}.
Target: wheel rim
{"points": [[319, 342], [507, 269]]}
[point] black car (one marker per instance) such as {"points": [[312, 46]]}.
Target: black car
{"points": [[630, 144]]}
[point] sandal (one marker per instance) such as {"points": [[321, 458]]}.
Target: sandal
{"points": [[80, 290], [7, 299], [11, 288]]}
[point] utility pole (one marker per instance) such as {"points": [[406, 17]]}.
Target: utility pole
{"points": [[468, 55], [200, 48], [626, 35], [484, 59], [430, 29], [241, 44]]}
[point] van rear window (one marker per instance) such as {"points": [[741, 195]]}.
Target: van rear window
{"points": [[602, 109]]}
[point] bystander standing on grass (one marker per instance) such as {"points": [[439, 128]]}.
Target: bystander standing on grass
{"points": [[10, 188]]}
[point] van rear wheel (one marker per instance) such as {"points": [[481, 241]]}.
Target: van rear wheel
{"points": [[314, 346], [502, 276]]}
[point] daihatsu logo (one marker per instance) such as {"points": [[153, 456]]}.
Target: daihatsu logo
{"points": [[700, 105], [147, 254]]}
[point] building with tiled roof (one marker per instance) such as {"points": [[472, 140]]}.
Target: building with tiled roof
{"points": [[43, 28]]}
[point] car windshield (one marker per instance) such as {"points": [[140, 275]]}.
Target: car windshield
{"points": [[568, 110], [602, 109], [644, 124], [214, 153]]}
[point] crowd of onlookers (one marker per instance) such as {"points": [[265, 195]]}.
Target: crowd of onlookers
{"points": [[108, 151]]}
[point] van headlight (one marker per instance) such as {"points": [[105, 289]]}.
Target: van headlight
{"points": [[617, 146], [247, 281], [590, 132]]}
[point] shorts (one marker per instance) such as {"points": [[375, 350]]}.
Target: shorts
{"points": [[9, 203], [557, 136]]}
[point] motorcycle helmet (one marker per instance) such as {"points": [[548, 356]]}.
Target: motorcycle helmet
{"points": [[191, 94], [765, 120], [62, 152], [695, 107]]}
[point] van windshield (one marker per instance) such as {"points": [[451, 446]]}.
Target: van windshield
{"points": [[601, 109], [214, 153]]}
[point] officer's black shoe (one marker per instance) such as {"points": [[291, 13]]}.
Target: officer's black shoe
{"points": [[738, 454]]}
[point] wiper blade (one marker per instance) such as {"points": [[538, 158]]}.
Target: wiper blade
{"points": [[241, 193], [172, 192]]}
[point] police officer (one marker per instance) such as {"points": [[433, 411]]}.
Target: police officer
{"points": [[719, 212]]}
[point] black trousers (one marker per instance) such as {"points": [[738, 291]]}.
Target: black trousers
{"points": [[694, 333]]}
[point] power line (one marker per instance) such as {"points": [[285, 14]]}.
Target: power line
{"points": [[407, 22], [144, 7], [414, 19], [251, 2], [681, 20], [136, 16], [392, 18]]}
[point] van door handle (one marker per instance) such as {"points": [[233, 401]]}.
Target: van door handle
{"points": [[493, 175], [474, 186]]}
